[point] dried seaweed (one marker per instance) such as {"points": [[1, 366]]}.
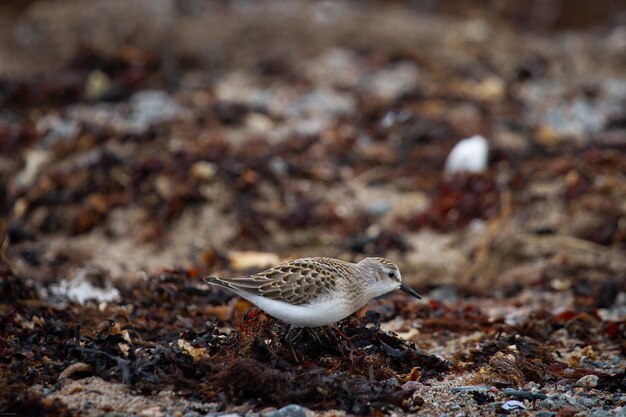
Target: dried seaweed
{"points": [[155, 165]]}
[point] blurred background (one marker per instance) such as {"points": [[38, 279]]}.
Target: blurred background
{"points": [[138, 135], [479, 144]]}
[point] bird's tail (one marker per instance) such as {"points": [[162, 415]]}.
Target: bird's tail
{"points": [[215, 281], [211, 280]]}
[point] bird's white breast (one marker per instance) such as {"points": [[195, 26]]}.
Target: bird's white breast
{"points": [[319, 313]]}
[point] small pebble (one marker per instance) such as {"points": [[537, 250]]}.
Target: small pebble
{"points": [[445, 293], [470, 388], [524, 395], [588, 381], [590, 402], [545, 414], [204, 170], [621, 412], [468, 155], [559, 401], [567, 412], [152, 412], [411, 386], [291, 410], [378, 208], [598, 412]]}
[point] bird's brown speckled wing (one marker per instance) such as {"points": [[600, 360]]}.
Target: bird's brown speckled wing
{"points": [[297, 282]]}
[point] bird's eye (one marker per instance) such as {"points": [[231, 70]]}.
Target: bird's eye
{"points": [[391, 274]]}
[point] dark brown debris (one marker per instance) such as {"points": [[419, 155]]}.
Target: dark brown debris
{"points": [[144, 152]]}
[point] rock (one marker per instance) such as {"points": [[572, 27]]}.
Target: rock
{"points": [[445, 293], [204, 170], [598, 412], [471, 388], [86, 284], [590, 402], [151, 107], [35, 159], [324, 103], [558, 401], [192, 414], [566, 412], [152, 412], [219, 414], [291, 410], [259, 123], [378, 208], [97, 85], [545, 414], [411, 386], [336, 67], [513, 405], [510, 141], [577, 118], [588, 381], [390, 83], [469, 155], [524, 395], [56, 130], [144, 110], [279, 166]]}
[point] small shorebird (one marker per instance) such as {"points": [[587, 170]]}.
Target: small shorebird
{"points": [[313, 292]]}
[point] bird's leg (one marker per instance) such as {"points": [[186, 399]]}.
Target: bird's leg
{"points": [[352, 352], [292, 335], [315, 336]]}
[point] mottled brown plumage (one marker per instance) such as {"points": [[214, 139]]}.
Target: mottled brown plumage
{"points": [[296, 282], [316, 291]]}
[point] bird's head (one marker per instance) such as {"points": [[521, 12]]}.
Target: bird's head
{"points": [[384, 276]]}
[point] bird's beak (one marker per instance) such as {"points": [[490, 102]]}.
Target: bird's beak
{"points": [[409, 290]]}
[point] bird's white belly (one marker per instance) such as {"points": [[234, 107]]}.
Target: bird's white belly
{"points": [[317, 314]]}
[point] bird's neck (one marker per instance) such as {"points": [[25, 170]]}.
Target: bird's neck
{"points": [[362, 287]]}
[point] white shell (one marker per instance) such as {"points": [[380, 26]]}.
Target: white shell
{"points": [[469, 155]]}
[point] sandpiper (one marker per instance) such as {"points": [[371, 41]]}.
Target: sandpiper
{"points": [[313, 292]]}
